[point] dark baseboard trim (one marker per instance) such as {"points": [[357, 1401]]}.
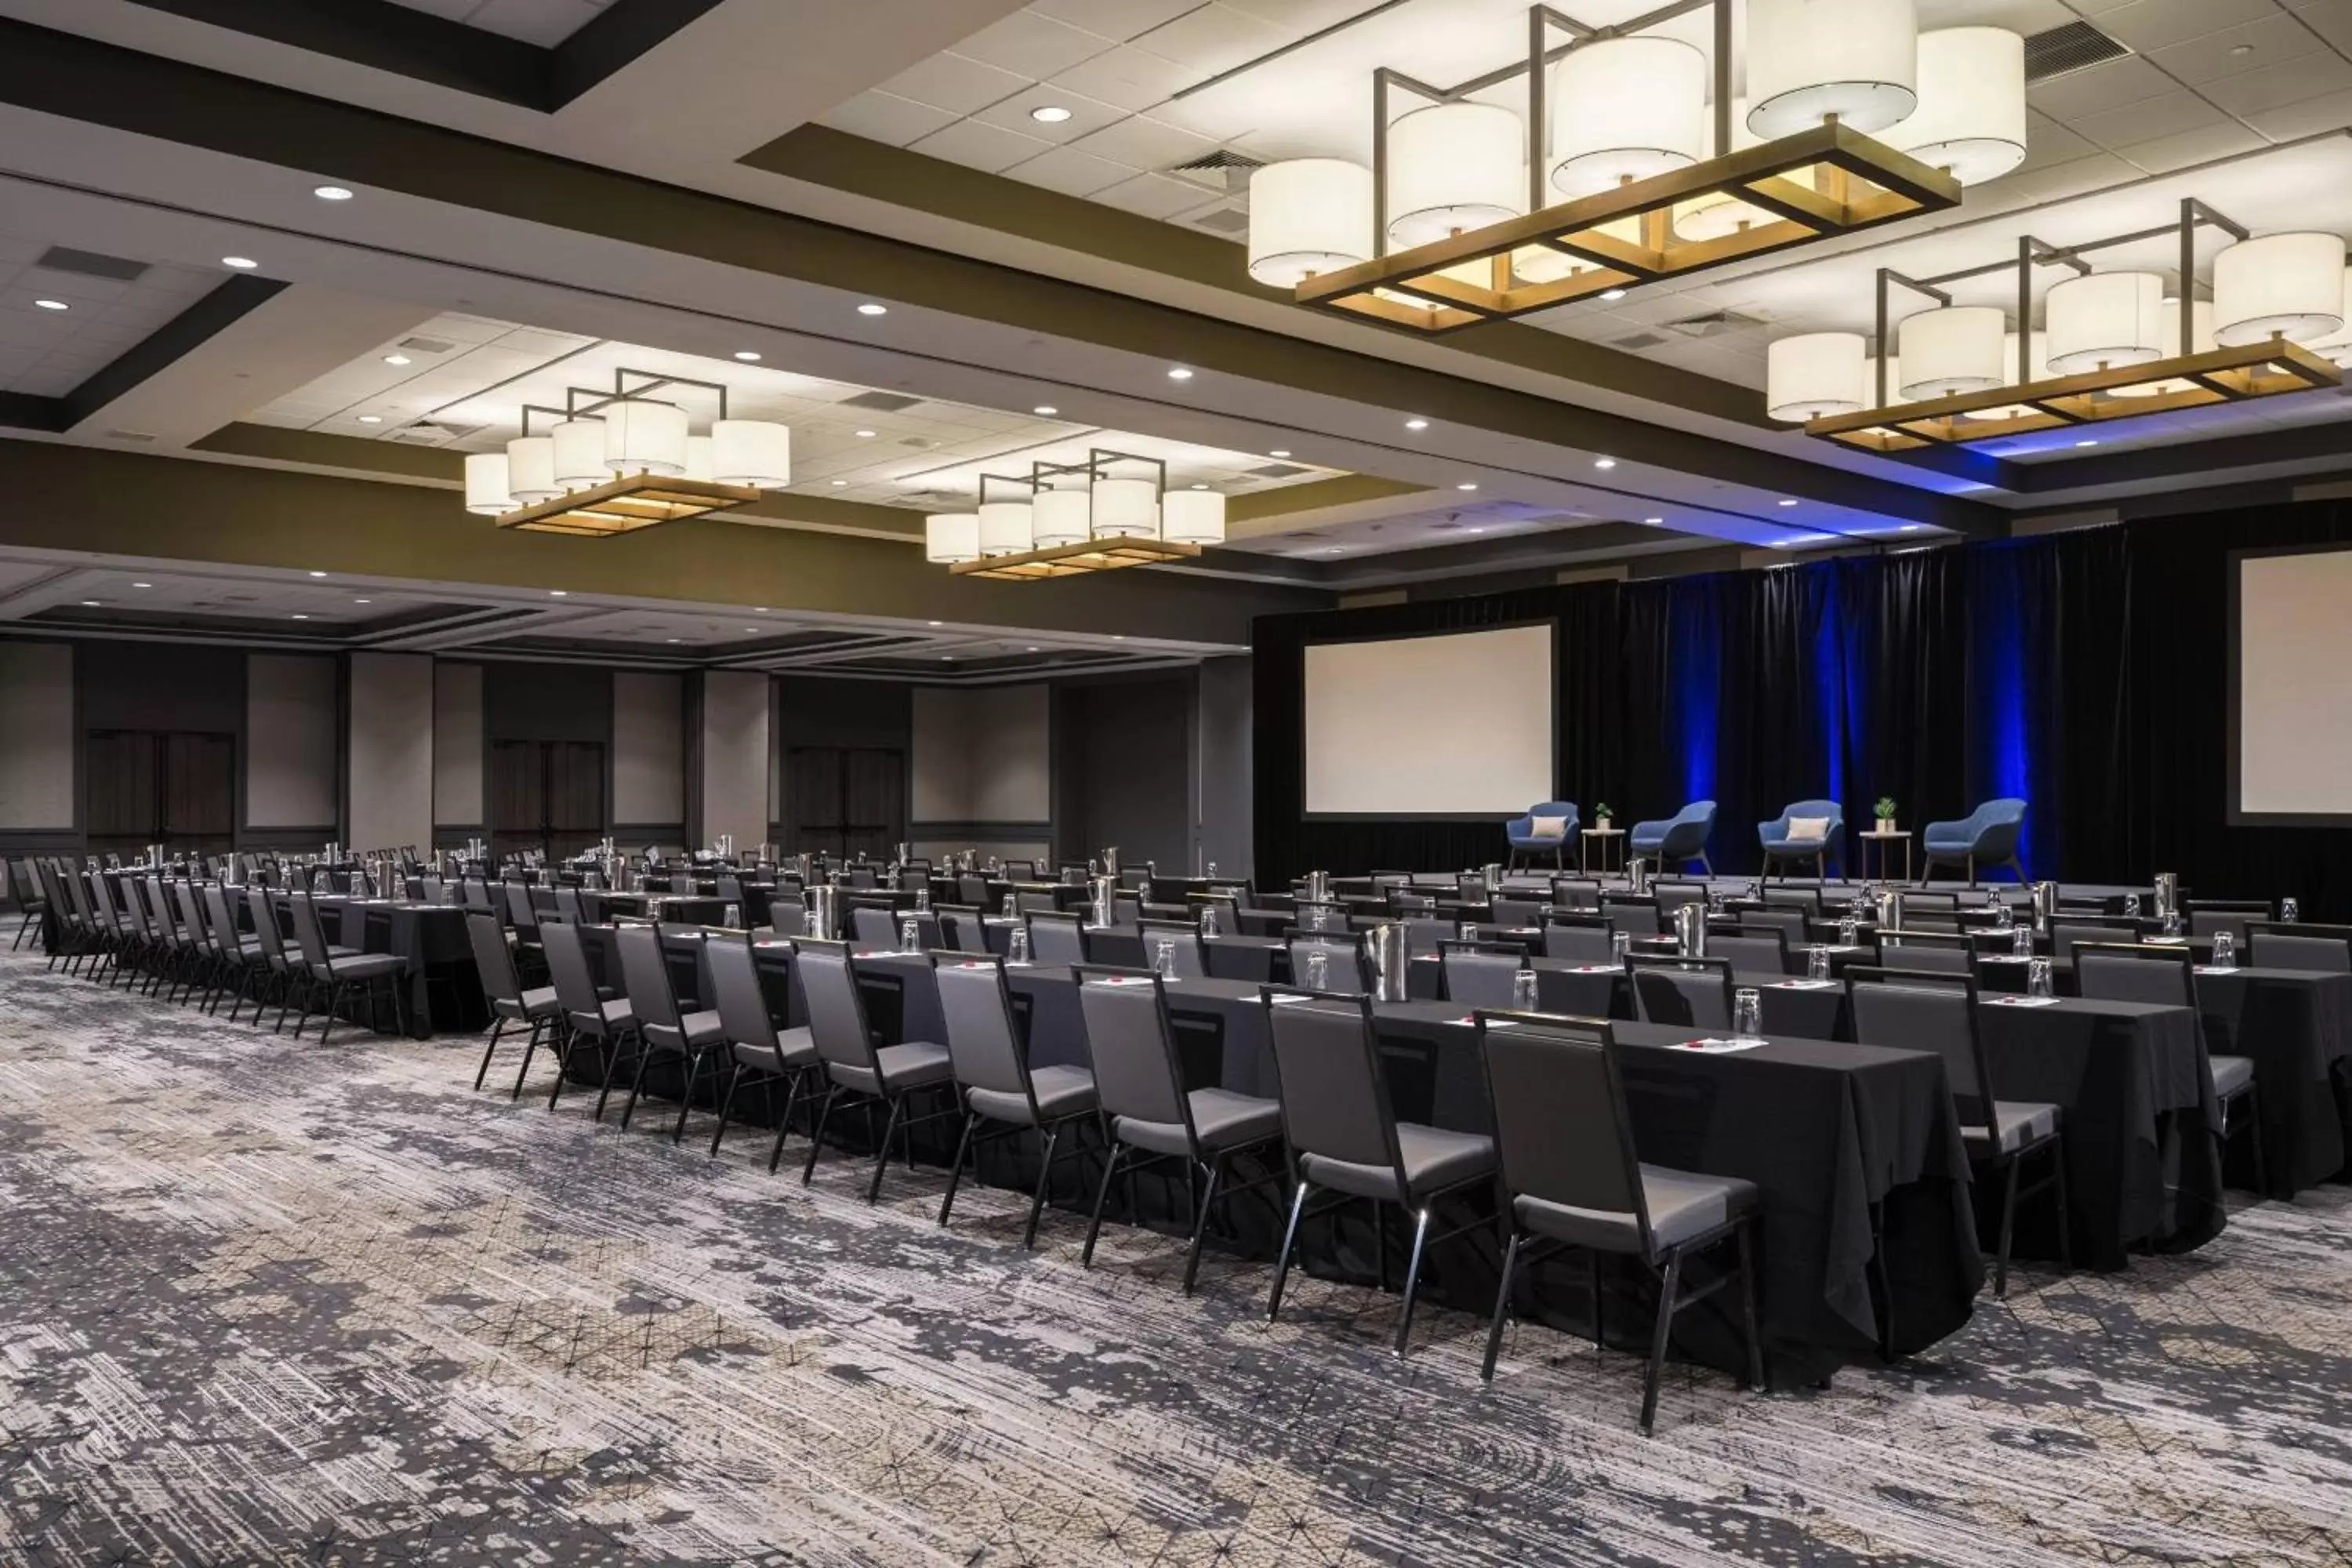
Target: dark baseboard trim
{"points": [[979, 831]]}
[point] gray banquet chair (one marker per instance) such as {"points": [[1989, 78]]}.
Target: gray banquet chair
{"points": [[855, 1065], [1586, 940], [2168, 977], [591, 1019], [1479, 976], [662, 1029], [2314, 955], [998, 1085], [754, 1044], [1139, 1082], [1753, 952], [509, 1003], [337, 970], [1941, 1016], [1190, 953], [1344, 970], [1573, 1179], [1926, 952], [1683, 993], [1055, 937], [1346, 1140]]}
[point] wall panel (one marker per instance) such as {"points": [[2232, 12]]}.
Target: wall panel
{"points": [[391, 751], [36, 720], [291, 777], [649, 751], [458, 746]]}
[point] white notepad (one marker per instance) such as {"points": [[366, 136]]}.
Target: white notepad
{"points": [[1718, 1047]]}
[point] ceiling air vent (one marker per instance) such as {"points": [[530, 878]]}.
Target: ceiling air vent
{"points": [[1278, 471], [91, 264], [130, 435], [880, 402], [1224, 220], [427, 345], [1714, 324], [1220, 171], [421, 435], [2068, 49], [1642, 341]]}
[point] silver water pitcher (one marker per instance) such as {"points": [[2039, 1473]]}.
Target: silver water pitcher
{"points": [[2168, 894], [2045, 905], [1385, 946], [1105, 901], [1690, 931], [823, 919], [1637, 874], [1110, 862]]}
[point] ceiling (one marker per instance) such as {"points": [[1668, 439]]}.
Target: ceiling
{"points": [[110, 304], [543, 22]]}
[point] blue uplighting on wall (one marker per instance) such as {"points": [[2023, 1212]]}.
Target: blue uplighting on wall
{"points": [[1697, 683], [1829, 677]]}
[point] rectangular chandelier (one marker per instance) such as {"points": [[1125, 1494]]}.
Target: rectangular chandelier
{"points": [[626, 505], [1814, 185], [2131, 392], [1106, 554]]}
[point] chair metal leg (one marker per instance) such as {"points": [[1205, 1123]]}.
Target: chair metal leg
{"points": [[1201, 1221], [1502, 1308], [955, 1171], [530, 1050], [1747, 1305], [816, 1137], [636, 1080], [327, 1019], [1282, 1259], [882, 1156], [726, 1104], [1412, 1281], [784, 1121], [1102, 1196], [2058, 1194], [1599, 1329], [497, 1027], [1669, 1291], [1037, 1198], [2008, 1225], [685, 1096]]}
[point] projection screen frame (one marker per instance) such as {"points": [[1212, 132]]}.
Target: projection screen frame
{"points": [[1550, 625], [2234, 814]]}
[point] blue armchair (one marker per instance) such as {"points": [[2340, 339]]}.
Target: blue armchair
{"points": [[1781, 847], [1986, 837], [1520, 831], [1680, 837]]}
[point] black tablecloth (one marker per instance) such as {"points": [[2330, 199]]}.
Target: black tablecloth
{"points": [[1792, 1006], [445, 989]]}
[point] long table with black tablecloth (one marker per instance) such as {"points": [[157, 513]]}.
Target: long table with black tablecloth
{"points": [[445, 989], [1252, 958], [1856, 1150]]}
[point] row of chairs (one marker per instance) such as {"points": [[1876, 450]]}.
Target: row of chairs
{"points": [[1560, 1163], [182, 938]]}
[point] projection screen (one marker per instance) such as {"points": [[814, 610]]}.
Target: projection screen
{"points": [[2291, 697], [1459, 725]]}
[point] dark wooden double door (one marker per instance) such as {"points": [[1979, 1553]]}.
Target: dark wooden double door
{"points": [[843, 800], [176, 788], [547, 795]]}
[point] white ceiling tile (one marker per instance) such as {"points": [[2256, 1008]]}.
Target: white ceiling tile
{"points": [[2331, 19], [546, 23], [885, 117], [1130, 78], [2250, 46], [1032, 44], [976, 146], [2224, 138], [1115, 18], [2306, 117], [2150, 25], [1144, 144], [1301, 17], [2047, 143], [1087, 115], [2168, 115], [2255, 92], [1070, 171], [949, 81], [1216, 37], [2098, 87]]}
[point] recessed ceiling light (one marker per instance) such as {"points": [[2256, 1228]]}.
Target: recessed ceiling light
{"points": [[672, 640], [749, 356], [866, 434], [753, 630], [841, 484], [332, 193], [1467, 485], [1604, 462], [1790, 501], [142, 584], [1908, 528], [1047, 409], [1049, 114], [52, 304], [759, 609], [2086, 443], [1200, 487], [1613, 295], [90, 604], [1119, 636], [1473, 530], [317, 574], [558, 593], [371, 418], [1180, 372], [1032, 649], [396, 359], [947, 658], [1655, 521], [2242, 49], [935, 623], [300, 616], [1336, 550], [242, 263], [1278, 452], [362, 600], [1416, 423], [871, 308]]}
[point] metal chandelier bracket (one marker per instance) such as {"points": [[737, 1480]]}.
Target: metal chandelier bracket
{"points": [[1098, 554], [1814, 186]]}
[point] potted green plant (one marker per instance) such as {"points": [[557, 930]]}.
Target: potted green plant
{"points": [[1885, 810], [1600, 816]]}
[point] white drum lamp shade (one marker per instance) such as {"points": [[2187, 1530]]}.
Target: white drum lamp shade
{"points": [[1972, 114], [642, 437], [1061, 517], [1713, 217], [580, 454], [2287, 285], [1624, 109], [1948, 351], [1453, 167], [531, 469], [1308, 216], [753, 452], [702, 461], [951, 539], [487, 491], [1814, 375], [2107, 319], [1870, 397], [1810, 59], [1125, 508], [2038, 370], [1192, 517], [1005, 528], [2200, 327]]}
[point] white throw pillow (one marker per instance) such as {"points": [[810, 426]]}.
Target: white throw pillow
{"points": [[1547, 827], [1808, 827]]}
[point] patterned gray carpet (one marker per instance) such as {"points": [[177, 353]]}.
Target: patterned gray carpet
{"points": [[267, 1303]]}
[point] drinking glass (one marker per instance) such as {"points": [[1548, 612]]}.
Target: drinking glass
{"points": [[1747, 1013], [1017, 951], [1208, 921], [2004, 917], [1523, 991], [2131, 905], [1164, 960], [733, 919], [1849, 932], [1213, 868], [923, 894], [1469, 931], [1319, 970], [2173, 923], [1817, 964], [2020, 941], [2288, 911], [2037, 978], [910, 935], [1012, 906], [2225, 950], [1620, 945]]}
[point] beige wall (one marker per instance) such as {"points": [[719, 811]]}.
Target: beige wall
{"points": [[649, 749], [458, 745], [735, 752], [391, 751], [37, 736], [983, 755], [290, 725]]}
